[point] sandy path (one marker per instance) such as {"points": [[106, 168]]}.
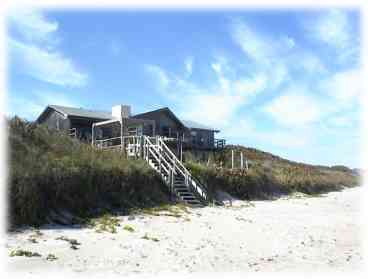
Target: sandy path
{"points": [[299, 234]]}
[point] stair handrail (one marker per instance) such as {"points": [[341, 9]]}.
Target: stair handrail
{"points": [[201, 190], [172, 157], [151, 149]]}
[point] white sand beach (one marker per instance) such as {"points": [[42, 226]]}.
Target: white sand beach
{"points": [[289, 234]]}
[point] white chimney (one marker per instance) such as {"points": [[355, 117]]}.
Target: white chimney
{"points": [[120, 111]]}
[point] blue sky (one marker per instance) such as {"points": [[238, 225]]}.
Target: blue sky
{"points": [[284, 81]]}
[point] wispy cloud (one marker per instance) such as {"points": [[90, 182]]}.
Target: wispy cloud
{"points": [[333, 28], [159, 76], [35, 50], [344, 86], [295, 107], [32, 25], [49, 66], [282, 83], [189, 66], [218, 102], [259, 47]]}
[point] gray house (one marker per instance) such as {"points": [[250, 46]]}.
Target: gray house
{"points": [[162, 122]]}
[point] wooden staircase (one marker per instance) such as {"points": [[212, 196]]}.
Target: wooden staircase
{"points": [[179, 180]]}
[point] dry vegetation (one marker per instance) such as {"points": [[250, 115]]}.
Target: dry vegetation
{"points": [[268, 175], [52, 175]]}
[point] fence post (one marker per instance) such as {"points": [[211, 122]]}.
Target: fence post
{"points": [[232, 159], [181, 151], [93, 134], [241, 160]]}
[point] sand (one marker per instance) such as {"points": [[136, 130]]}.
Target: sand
{"points": [[288, 234]]}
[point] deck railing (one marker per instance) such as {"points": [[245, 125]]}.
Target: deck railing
{"points": [[220, 143], [73, 132], [155, 147]]}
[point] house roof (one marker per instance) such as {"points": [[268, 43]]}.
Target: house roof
{"points": [[104, 115], [78, 112], [186, 123], [165, 109], [195, 125]]}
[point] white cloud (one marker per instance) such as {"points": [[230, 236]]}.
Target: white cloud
{"points": [[332, 28], [189, 66], [36, 54], [215, 104], [216, 67], [310, 63], [345, 86], [246, 127], [294, 107], [289, 42], [269, 55], [32, 24], [254, 45], [261, 48], [213, 109], [45, 65], [249, 86], [340, 121], [159, 75], [274, 65]]}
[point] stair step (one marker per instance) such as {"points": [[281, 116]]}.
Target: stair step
{"points": [[183, 191], [178, 184], [189, 198], [181, 188]]}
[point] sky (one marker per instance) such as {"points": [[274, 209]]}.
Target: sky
{"points": [[283, 81]]}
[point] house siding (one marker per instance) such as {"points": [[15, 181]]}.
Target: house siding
{"points": [[198, 138], [55, 120], [165, 124]]}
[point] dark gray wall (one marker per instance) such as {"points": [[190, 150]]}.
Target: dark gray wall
{"points": [[164, 123], [55, 120], [202, 139]]}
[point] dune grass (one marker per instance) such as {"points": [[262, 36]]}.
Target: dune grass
{"points": [[51, 172], [268, 175]]}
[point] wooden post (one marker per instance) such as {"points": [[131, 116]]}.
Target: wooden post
{"points": [[246, 163], [241, 160], [121, 135], [93, 134], [181, 151], [232, 159]]}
